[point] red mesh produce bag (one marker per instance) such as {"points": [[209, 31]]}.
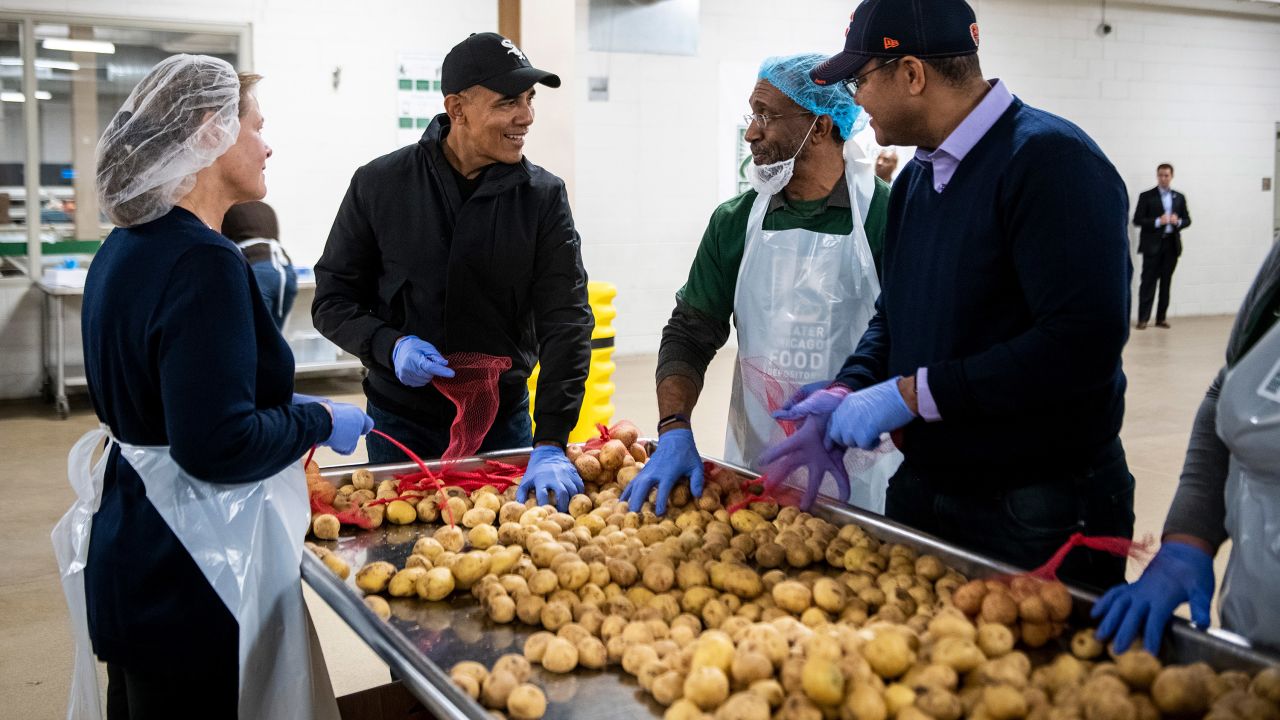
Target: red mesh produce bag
{"points": [[473, 390]]}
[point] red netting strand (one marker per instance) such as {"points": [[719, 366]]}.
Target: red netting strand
{"points": [[1118, 546]]}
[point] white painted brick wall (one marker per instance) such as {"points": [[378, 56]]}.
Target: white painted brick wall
{"points": [[1199, 90]]}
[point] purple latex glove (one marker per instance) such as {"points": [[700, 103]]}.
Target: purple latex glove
{"points": [[807, 448], [820, 402], [1179, 573], [803, 394], [865, 415]]}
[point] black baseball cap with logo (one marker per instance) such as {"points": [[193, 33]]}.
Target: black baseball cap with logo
{"points": [[896, 28], [493, 61]]}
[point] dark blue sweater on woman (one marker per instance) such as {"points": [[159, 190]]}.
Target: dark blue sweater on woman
{"points": [[1012, 287], [179, 351]]}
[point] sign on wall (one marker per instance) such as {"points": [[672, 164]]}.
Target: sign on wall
{"points": [[418, 94]]}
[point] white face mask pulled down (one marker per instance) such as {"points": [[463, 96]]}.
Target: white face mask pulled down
{"points": [[768, 180]]}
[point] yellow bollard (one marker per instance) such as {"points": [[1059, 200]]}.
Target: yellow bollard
{"points": [[597, 404]]}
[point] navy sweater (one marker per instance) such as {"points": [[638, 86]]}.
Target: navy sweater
{"points": [[179, 351], [1012, 287]]}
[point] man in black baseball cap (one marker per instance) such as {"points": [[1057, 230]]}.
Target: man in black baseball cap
{"points": [[459, 245], [994, 354]]}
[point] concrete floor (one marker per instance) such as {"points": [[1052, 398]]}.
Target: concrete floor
{"points": [[1168, 372]]}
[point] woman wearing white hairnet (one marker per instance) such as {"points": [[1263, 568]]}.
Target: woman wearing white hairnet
{"points": [[183, 550]]}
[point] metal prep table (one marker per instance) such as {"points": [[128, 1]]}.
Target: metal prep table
{"points": [[422, 640], [58, 377]]}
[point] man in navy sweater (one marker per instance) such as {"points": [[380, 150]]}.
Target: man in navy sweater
{"points": [[994, 355]]}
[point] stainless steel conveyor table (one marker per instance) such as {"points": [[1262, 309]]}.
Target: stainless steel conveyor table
{"points": [[422, 640]]}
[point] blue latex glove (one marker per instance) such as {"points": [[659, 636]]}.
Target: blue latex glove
{"points": [[1178, 573], [416, 361], [300, 399], [676, 457], [803, 394], [864, 415], [549, 469], [807, 448], [349, 425]]}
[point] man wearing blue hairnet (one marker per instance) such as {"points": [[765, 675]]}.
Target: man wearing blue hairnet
{"points": [[793, 262]]}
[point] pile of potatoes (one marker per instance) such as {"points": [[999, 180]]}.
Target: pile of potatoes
{"points": [[618, 460], [505, 687], [1037, 611], [773, 613]]}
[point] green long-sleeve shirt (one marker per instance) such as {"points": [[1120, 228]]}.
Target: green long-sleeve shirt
{"points": [[699, 325]]}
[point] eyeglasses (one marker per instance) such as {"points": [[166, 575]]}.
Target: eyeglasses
{"points": [[764, 119], [852, 83]]}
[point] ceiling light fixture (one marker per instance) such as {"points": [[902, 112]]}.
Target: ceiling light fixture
{"points": [[43, 63], [93, 46], [19, 97]]}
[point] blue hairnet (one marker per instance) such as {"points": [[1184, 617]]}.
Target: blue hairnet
{"points": [[790, 74]]}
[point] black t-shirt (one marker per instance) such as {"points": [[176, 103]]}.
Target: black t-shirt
{"points": [[466, 187]]}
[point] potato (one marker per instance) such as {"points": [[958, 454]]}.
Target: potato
{"points": [[1036, 634], [592, 654], [940, 704], [999, 607], [536, 646], [405, 582], [450, 538], [526, 702], [428, 509], [373, 578], [496, 689], [428, 547], [792, 596], [638, 453], [555, 615], [1085, 645], [589, 467], [713, 649], [864, 702], [1138, 668], [951, 624], [889, 654], [743, 706], [515, 664], [628, 473], [477, 516], [1108, 706], [822, 681], [337, 565], [399, 512], [658, 576], [469, 668], [706, 686], [829, 594], [362, 479], [1004, 702], [502, 609], [636, 657], [471, 567], [436, 584], [469, 685], [612, 454], [1058, 599], [572, 574], [1179, 691], [968, 597], [995, 640], [683, 709], [326, 526], [378, 605], [560, 656], [1266, 684], [958, 654], [743, 582], [930, 568]]}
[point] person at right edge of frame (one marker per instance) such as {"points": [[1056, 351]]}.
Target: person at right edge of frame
{"points": [[1161, 215], [1229, 490], [995, 347]]}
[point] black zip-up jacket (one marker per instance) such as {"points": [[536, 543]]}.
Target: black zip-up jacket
{"points": [[499, 274]]}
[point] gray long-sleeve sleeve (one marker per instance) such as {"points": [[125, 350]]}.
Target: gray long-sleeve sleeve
{"points": [[1199, 506], [689, 342]]}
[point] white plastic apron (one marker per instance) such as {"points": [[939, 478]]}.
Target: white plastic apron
{"points": [[1249, 425], [802, 302], [247, 540]]}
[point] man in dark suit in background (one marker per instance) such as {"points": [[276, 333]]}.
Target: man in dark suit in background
{"points": [[1162, 214]]}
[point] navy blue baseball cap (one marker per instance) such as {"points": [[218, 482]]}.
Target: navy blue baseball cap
{"points": [[896, 28]]}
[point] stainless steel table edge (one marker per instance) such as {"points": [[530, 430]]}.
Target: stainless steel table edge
{"points": [[428, 683], [1223, 650]]}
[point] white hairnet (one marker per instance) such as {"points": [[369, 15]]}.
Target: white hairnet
{"points": [[176, 122]]}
